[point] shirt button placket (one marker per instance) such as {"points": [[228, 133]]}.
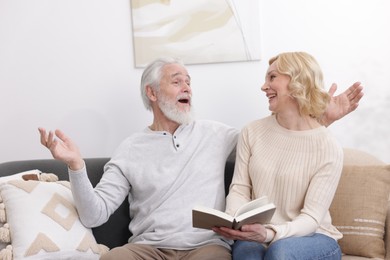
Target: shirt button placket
{"points": [[177, 145]]}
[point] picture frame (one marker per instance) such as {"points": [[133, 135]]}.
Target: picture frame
{"points": [[196, 31]]}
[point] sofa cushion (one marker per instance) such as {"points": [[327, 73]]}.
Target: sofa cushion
{"points": [[359, 209], [43, 222], [16, 176]]}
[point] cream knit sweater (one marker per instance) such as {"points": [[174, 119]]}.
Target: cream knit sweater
{"points": [[298, 170]]}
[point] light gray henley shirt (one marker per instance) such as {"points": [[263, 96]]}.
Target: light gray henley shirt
{"points": [[164, 176]]}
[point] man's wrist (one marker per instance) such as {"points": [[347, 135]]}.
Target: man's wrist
{"points": [[76, 165]]}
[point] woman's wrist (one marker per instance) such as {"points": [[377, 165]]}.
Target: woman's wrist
{"points": [[270, 235]]}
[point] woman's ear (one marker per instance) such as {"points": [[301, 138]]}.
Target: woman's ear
{"points": [[151, 93]]}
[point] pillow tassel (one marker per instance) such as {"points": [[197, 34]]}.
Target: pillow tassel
{"points": [[3, 217], [5, 235], [6, 253], [48, 177]]}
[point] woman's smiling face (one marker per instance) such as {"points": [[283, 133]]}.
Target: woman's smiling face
{"points": [[276, 90]]}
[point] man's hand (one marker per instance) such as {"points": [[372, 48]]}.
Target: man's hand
{"points": [[343, 104], [62, 148]]}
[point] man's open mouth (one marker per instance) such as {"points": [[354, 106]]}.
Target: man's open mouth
{"points": [[184, 100]]}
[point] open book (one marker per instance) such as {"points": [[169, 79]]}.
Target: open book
{"points": [[256, 211]]}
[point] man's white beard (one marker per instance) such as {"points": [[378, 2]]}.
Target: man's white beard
{"points": [[173, 113]]}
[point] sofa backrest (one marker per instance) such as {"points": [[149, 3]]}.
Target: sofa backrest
{"points": [[115, 231], [358, 157]]}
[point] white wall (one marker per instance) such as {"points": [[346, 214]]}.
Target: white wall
{"points": [[69, 65]]}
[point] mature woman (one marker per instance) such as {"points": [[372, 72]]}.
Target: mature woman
{"points": [[295, 161]]}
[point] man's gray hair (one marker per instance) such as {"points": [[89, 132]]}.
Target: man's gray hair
{"points": [[152, 76]]}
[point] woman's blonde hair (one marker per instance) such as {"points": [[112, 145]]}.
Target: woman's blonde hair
{"points": [[306, 84]]}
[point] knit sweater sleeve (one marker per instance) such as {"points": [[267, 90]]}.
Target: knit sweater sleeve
{"points": [[316, 203], [240, 191], [298, 171]]}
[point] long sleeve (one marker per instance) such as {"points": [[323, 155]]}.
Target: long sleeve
{"points": [[298, 170], [163, 176], [95, 206]]}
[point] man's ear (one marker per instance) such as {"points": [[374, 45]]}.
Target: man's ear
{"points": [[151, 93]]}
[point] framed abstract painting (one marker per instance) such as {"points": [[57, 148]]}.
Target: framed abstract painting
{"points": [[196, 31]]}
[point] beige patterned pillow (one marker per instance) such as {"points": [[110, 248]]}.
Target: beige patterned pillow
{"points": [[16, 176], [43, 223], [359, 209]]}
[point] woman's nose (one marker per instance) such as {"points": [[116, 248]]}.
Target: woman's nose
{"points": [[265, 87]]}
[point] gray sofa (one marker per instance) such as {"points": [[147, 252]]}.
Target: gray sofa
{"points": [[115, 232]]}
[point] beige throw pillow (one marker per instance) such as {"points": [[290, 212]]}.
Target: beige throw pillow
{"points": [[359, 209], [43, 223]]}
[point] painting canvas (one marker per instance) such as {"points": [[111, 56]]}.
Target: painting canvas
{"points": [[197, 31]]}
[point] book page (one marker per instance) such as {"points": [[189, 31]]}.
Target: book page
{"points": [[261, 215], [252, 205], [204, 217]]}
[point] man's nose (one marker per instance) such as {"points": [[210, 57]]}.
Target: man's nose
{"points": [[186, 87]]}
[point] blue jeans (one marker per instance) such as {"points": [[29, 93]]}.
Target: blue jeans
{"points": [[313, 247]]}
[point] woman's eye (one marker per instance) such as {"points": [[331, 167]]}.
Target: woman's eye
{"points": [[272, 77]]}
